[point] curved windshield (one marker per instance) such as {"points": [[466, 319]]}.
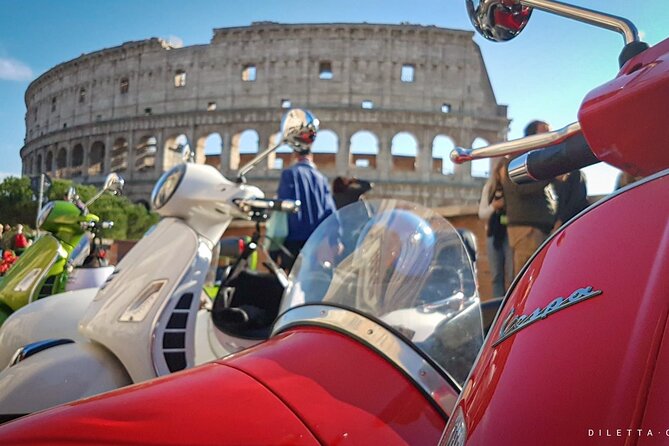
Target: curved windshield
{"points": [[401, 264]]}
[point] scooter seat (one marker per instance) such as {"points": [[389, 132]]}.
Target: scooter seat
{"points": [[256, 297]]}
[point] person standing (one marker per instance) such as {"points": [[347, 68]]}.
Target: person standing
{"points": [[302, 181], [7, 237], [492, 210], [348, 190], [572, 196], [19, 241], [530, 210]]}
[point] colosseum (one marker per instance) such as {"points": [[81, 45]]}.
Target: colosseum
{"points": [[392, 101]]}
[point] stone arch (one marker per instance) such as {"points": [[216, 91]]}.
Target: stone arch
{"points": [[404, 152], [480, 168], [49, 161], [210, 149], [26, 165], [96, 159], [364, 149], [77, 159], [119, 155], [325, 149], [245, 146], [61, 162], [173, 150], [441, 155], [38, 164], [145, 153]]}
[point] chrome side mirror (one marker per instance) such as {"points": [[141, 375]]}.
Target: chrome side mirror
{"points": [[299, 128], [187, 154], [71, 194], [498, 20], [113, 183]]}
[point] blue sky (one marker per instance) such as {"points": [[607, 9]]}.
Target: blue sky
{"points": [[544, 73]]}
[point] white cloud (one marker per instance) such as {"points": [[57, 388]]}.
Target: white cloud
{"points": [[14, 70], [175, 41], [642, 35]]}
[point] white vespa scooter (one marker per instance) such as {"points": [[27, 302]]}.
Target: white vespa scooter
{"points": [[146, 320]]}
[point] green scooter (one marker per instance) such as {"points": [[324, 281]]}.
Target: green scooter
{"points": [[45, 266]]}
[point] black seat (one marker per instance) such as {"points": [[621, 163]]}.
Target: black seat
{"points": [[254, 305]]}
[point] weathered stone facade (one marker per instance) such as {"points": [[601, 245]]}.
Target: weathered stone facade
{"points": [[122, 109]]}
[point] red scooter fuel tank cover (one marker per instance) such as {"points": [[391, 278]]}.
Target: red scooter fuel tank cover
{"points": [[562, 366], [210, 404], [342, 390], [624, 120]]}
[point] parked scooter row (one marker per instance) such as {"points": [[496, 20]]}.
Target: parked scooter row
{"points": [[48, 266], [147, 318]]}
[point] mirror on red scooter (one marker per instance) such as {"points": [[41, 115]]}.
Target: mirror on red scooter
{"points": [[498, 20]]}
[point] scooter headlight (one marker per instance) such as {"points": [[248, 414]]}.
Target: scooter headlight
{"points": [[44, 214], [167, 185]]}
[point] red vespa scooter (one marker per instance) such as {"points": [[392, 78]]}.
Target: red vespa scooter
{"points": [[579, 352], [377, 330]]}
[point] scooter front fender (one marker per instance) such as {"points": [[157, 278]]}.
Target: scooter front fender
{"points": [[56, 316], [58, 375]]}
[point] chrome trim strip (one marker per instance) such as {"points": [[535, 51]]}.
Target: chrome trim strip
{"points": [[611, 22], [460, 155], [518, 171], [379, 338], [35, 347]]}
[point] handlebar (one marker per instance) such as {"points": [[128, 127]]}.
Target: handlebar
{"points": [[545, 164], [99, 225], [289, 206], [460, 155]]}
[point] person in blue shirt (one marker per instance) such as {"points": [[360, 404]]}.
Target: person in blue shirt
{"points": [[302, 181]]}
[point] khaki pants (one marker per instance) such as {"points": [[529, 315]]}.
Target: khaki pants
{"points": [[524, 240]]}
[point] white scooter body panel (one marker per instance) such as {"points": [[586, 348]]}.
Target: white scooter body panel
{"points": [[53, 317], [123, 315], [81, 278], [58, 375]]}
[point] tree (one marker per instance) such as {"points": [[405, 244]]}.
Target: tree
{"points": [[17, 205]]}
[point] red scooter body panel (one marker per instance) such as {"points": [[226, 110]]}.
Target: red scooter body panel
{"points": [[211, 404], [307, 386], [586, 366], [343, 391], [623, 120], [658, 401]]}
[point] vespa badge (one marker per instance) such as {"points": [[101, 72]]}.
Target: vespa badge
{"points": [[513, 324]]}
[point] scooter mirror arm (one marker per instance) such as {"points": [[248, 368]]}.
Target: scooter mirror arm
{"points": [[461, 155], [254, 162], [596, 18]]}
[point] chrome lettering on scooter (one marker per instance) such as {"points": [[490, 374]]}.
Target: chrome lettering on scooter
{"points": [[513, 324]]}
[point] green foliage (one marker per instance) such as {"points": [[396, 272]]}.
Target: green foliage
{"points": [[16, 205], [130, 220]]}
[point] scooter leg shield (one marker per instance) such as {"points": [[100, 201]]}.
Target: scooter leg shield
{"points": [[56, 316], [58, 375]]}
